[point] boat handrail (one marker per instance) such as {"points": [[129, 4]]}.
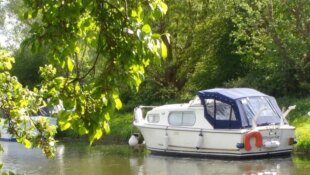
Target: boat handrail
{"points": [[254, 125], [141, 106], [283, 119], [138, 113], [288, 110]]}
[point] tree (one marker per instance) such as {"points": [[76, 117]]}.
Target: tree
{"points": [[94, 49], [217, 62], [200, 52], [273, 38]]}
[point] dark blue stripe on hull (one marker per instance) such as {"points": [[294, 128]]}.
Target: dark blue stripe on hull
{"points": [[231, 156], [8, 139]]}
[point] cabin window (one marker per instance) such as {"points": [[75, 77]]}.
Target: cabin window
{"points": [[153, 118], [182, 118], [220, 110]]}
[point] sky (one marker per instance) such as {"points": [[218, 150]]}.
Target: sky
{"points": [[2, 40], [7, 30]]}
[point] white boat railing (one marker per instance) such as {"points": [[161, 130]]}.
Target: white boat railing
{"points": [[141, 106], [254, 125], [288, 111], [285, 114]]}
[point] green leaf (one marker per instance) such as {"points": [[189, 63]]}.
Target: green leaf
{"points": [[134, 13], [70, 64], [83, 130], [106, 127], [107, 116], [155, 36], [146, 28], [60, 81], [164, 51], [8, 65], [118, 103], [27, 143], [77, 87], [64, 126], [62, 63], [77, 49], [140, 13], [98, 134], [163, 7]]}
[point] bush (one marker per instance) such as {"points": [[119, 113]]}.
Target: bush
{"points": [[303, 137], [121, 127], [300, 120]]}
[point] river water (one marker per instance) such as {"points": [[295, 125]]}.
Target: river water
{"points": [[78, 158]]}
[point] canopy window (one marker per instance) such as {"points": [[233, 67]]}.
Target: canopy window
{"points": [[262, 107], [221, 114]]}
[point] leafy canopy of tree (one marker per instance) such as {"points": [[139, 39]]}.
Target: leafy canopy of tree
{"points": [[94, 48], [17, 104], [254, 43], [200, 52], [273, 39]]}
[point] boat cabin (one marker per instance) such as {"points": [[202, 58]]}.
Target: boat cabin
{"points": [[236, 108]]}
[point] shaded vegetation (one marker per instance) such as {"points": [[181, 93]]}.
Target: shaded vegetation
{"points": [[27, 65], [300, 120]]}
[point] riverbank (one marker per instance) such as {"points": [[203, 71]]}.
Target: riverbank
{"points": [[300, 119], [120, 131]]}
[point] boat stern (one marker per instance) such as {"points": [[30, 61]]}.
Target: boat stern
{"points": [[268, 140]]}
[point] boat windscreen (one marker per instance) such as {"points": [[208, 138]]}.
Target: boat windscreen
{"points": [[263, 107]]}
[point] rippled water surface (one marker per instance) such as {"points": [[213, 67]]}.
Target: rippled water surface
{"points": [[78, 158]]}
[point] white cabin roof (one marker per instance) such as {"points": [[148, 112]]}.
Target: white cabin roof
{"points": [[172, 107]]}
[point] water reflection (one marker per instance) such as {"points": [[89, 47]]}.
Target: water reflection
{"points": [[81, 159], [184, 166]]}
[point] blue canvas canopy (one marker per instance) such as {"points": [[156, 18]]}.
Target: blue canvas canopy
{"points": [[233, 93], [236, 107]]}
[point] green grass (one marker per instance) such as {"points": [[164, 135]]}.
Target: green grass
{"points": [[300, 120]]}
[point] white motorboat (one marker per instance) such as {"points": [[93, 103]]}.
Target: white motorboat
{"points": [[5, 136], [236, 123], [43, 113]]}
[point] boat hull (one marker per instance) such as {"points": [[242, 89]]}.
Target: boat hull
{"points": [[216, 143]]}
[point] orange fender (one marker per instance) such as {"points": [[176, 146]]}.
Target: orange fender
{"points": [[258, 139]]}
